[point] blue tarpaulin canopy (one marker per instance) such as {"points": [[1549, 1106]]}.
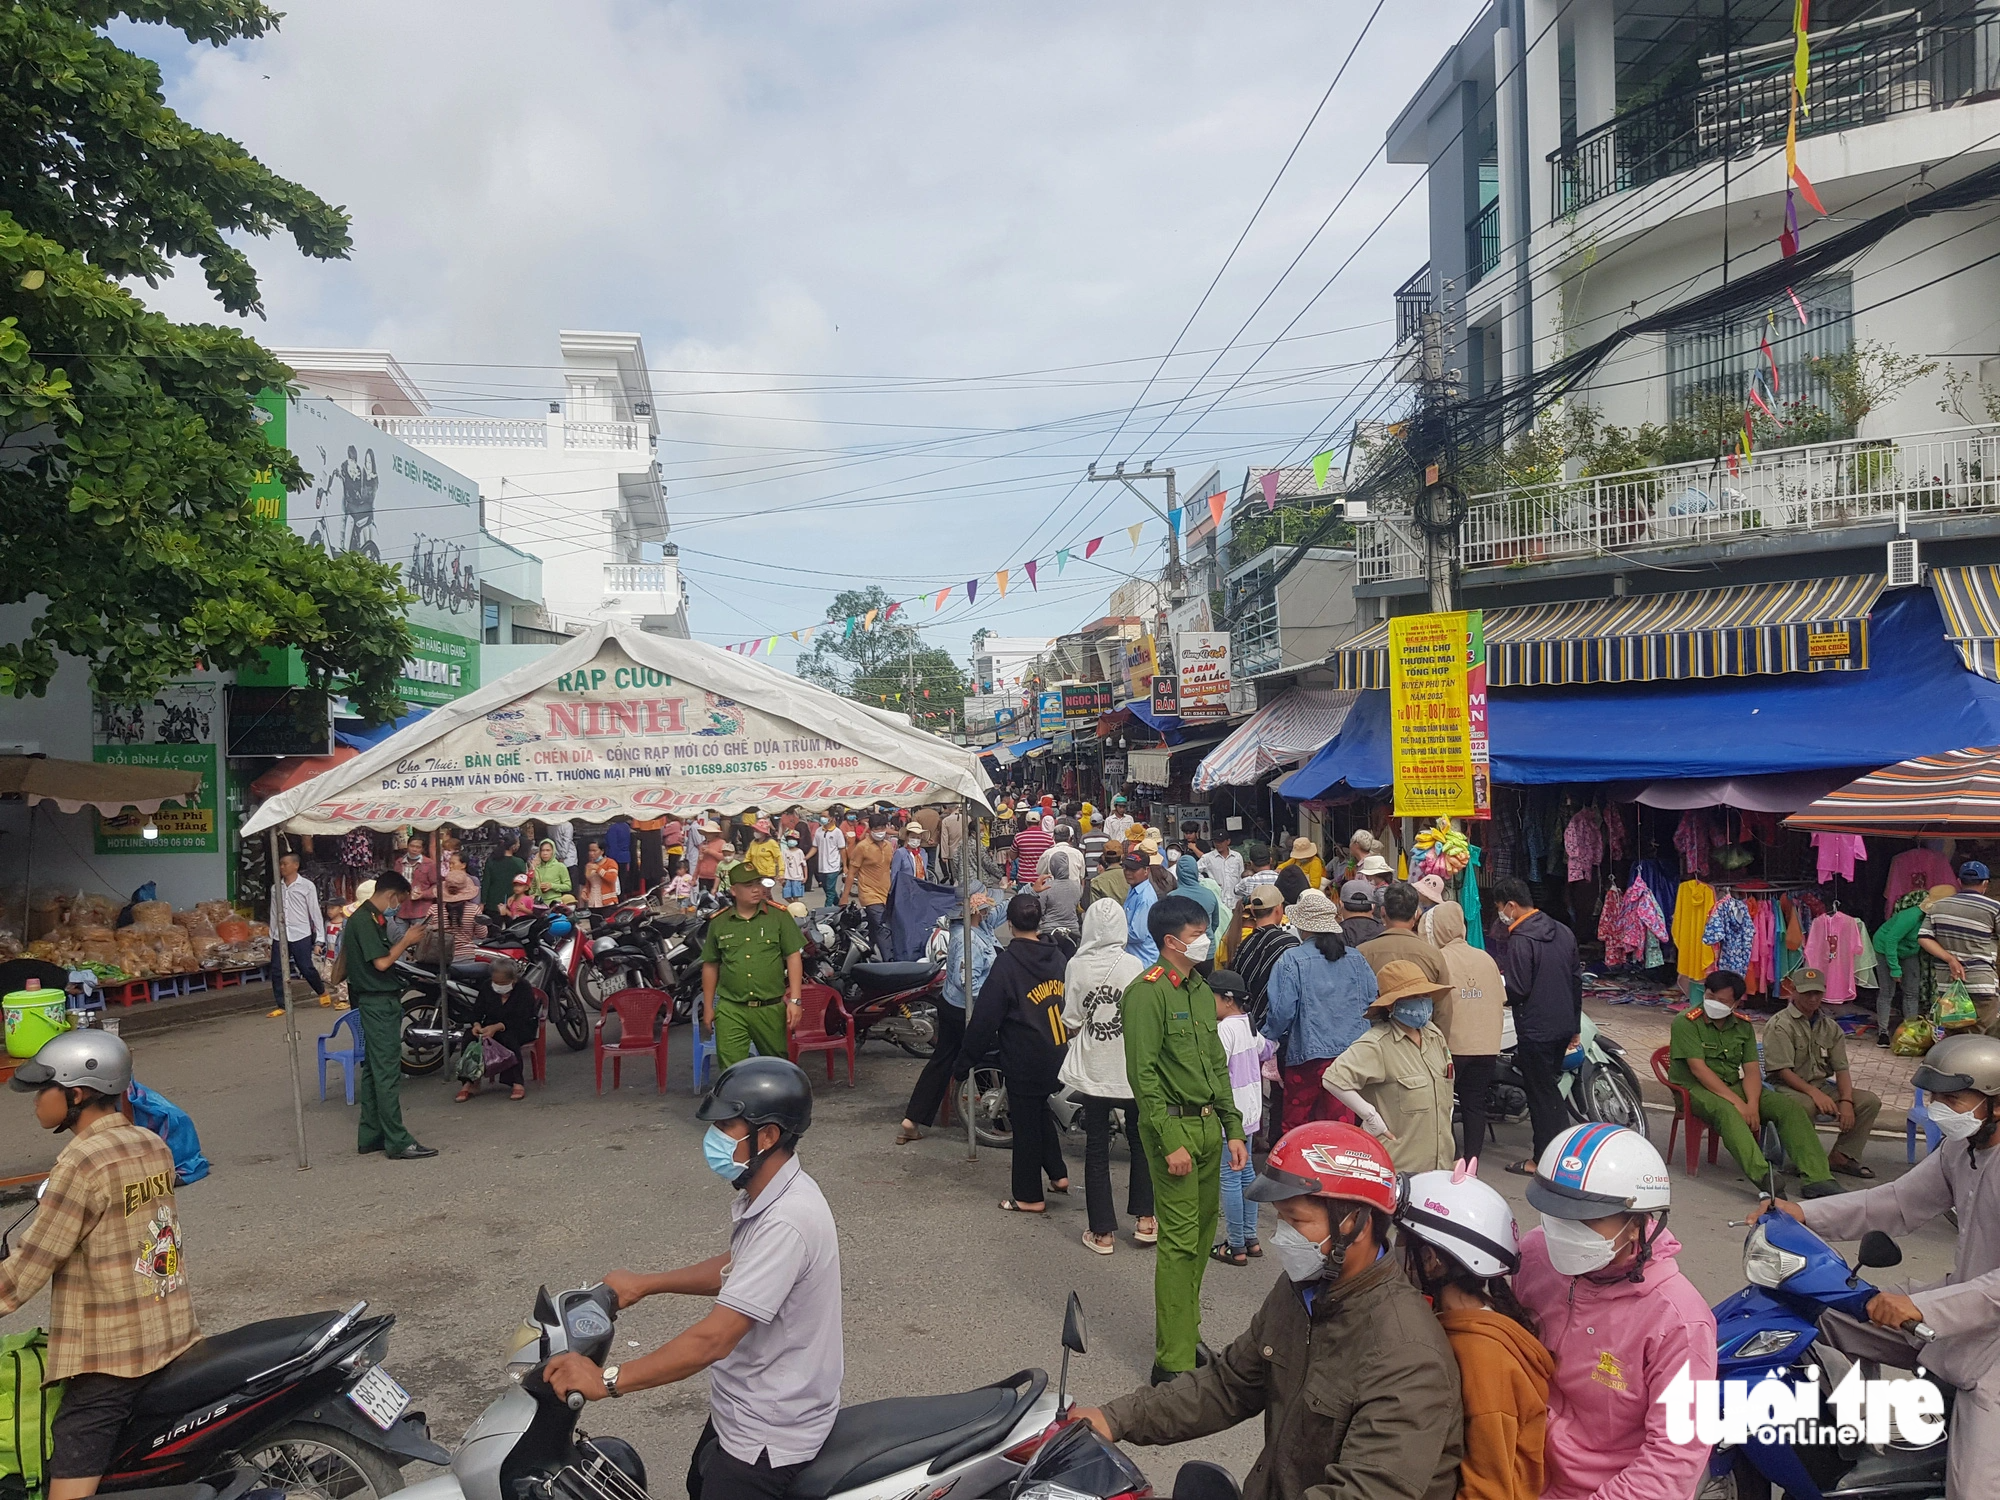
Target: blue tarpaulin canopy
{"points": [[1915, 698], [359, 737]]}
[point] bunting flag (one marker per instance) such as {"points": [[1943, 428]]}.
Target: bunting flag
{"points": [[795, 635], [1133, 532], [772, 648], [1799, 306], [1001, 579], [1270, 484], [1788, 236], [1807, 192], [1062, 560], [1761, 404], [1321, 463], [1174, 522], [1801, 51], [850, 627], [942, 595], [1029, 568], [971, 589], [1215, 504], [1090, 547], [1764, 342], [894, 605], [868, 620]]}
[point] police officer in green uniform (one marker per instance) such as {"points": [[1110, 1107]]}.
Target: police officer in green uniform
{"points": [[750, 972], [369, 959], [1187, 1114], [1715, 1059]]}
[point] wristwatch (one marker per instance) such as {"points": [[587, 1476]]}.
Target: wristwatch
{"points": [[610, 1375]]}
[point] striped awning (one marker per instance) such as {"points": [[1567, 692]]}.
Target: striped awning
{"points": [[1969, 600], [1281, 733], [1757, 629], [1957, 793]]}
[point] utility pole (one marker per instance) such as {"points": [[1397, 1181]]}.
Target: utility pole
{"points": [[1176, 575], [1439, 508]]}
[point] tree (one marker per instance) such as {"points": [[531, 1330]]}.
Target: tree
{"points": [[128, 443], [888, 666]]}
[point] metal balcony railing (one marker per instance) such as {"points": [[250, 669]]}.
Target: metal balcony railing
{"points": [[1413, 300], [1863, 73], [1777, 492], [1482, 242]]}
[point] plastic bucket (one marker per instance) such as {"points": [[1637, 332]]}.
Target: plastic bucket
{"points": [[32, 1018]]}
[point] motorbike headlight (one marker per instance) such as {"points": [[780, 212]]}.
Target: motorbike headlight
{"points": [[1759, 1345], [1048, 1490], [525, 1347], [1764, 1264]]}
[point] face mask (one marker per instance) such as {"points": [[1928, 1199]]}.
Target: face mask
{"points": [[1951, 1123], [1716, 1010], [878, 834], [1415, 1013], [1576, 1249], [503, 989], [720, 1149], [914, 843], [791, 843], [1301, 1258], [1198, 950]]}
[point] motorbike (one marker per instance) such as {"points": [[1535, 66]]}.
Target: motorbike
{"points": [[1803, 1320], [546, 944], [978, 1443], [897, 1001], [301, 1405], [1597, 1082]]}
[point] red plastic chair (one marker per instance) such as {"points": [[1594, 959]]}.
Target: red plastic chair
{"points": [[811, 1035], [1684, 1114], [639, 1012]]}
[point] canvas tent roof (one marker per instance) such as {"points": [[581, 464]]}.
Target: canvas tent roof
{"points": [[622, 723], [75, 784]]}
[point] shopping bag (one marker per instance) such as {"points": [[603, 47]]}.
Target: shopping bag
{"points": [[1955, 1007], [471, 1066], [1914, 1037], [498, 1058]]}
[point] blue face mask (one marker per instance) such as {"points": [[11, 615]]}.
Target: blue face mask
{"points": [[1415, 1012], [720, 1149]]}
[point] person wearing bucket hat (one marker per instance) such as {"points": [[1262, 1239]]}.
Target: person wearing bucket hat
{"points": [[1961, 933], [751, 972], [1358, 917], [1805, 1054], [1305, 856], [1897, 953], [1315, 1006], [1397, 1075]]}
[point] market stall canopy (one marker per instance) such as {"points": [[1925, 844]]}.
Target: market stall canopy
{"points": [[622, 723], [1776, 793], [1956, 793], [1970, 600], [1152, 765], [76, 784], [1750, 630], [1281, 733], [294, 769], [1916, 698]]}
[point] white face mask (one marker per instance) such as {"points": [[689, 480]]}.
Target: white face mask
{"points": [[878, 834], [502, 989], [1954, 1125], [1575, 1249], [1198, 950], [1716, 1010], [1301, 1258], [914, 843]]}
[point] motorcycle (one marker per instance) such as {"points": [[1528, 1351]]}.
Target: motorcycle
{"points": [[425, 1029], [1803, 1320], [300, 1405], [1597, 1082], [546, 944], [897, 1001], [983, 1093]]}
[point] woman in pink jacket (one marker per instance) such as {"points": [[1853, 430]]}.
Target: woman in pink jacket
{"points": [[1617, 1314]]}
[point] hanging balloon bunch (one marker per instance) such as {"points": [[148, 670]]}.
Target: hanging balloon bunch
{"points": [[1443, 851]]}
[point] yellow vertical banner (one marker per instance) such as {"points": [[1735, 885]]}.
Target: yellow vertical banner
{"points": [[1431, 728]]}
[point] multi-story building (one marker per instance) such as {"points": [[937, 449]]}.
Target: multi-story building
{"points": [[1000, 662]]}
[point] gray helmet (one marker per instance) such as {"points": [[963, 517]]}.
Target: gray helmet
{"points": [[1954, 1064], [85, 1059]]}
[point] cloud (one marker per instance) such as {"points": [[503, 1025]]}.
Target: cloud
{"points": [[879, 188]]}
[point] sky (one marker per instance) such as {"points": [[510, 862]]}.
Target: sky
{"points": [[903, 270]]}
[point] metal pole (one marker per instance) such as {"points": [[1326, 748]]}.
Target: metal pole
{"points": [[968, 844], [28, 879], [281, 972], [444, 951]]}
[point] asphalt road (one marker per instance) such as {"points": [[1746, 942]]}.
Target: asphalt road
{"points": [[942, 1291]]}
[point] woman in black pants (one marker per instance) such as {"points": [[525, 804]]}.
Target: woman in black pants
{"points": [[936, 1077], [509, 1012], [1094, 985], [1019, 1015]]}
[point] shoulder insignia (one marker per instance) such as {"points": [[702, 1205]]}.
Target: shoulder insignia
{"points": [[1693, 1013], [1155, 972]]}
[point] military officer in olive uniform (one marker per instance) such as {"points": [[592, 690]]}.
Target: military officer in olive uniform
{"points": [[1187, 1119], [750, 973]]}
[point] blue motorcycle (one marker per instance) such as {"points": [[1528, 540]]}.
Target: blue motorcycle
{"points": [[1805, 1310]]}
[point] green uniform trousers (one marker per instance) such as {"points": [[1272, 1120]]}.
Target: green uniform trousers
{"points": [[379, 1088], [1788, 1111], [1866, 1107], [1187, 1209], [738, 1028]]}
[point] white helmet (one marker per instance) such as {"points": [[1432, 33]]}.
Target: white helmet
{"points": [[1460, 1215], [1596, 1170]]}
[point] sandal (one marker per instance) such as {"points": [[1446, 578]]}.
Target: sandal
{"points": [[907, 1133], [1102, 1246], [1228, 1256], [1010, 1206], [1852, 1168], [520, 1092], [464, 1094], [1146, 1236], [1522, 1169], [1254, 1249]]}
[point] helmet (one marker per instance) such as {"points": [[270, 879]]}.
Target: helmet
{"points": [[1325, 1159], [1960, 1062], [86, 1059], [762, 1091], [1463, 1217], [560, 927], [1594, 1171]]}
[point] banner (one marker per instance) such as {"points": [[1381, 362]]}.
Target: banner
{"points": [[1141, 663], [1202, 658], [1086, 700], [176, 732], [1049, 713], [1475, 698], [1166, 697], [1430, 715]]}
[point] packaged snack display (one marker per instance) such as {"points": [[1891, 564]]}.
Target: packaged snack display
{"points": [[152, 914]]}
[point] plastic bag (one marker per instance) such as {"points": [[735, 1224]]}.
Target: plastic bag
{"points": [[87, 908], [152, 914], [173, 1125], [1914, 1037], [498, 1058], [1955, 1007], [471, 1064]]}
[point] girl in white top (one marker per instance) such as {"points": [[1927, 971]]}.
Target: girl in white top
{"points": [[1245, 1052]]}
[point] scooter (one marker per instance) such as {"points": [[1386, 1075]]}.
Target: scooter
{"points": [[1804, 1309], [300, 1405], [546, 945], [897, 1001], [1597, 1082]]}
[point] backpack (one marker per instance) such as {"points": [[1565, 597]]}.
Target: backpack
{"points": [[27, 1411]]}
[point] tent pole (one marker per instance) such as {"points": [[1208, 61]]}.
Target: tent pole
{"points": [[28, 878], [968, 842], [444, 951], [281, 971]]}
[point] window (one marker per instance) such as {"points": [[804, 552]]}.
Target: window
{"points": [[1715, 364], [489, 623]]}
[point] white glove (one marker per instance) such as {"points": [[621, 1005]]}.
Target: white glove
{"points": [[1370, 1118]]}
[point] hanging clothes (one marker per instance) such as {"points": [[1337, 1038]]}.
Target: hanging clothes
{"points": [[1639, 927], [1617, 842], [1504, 845], [1765, 957], [1607, 926], [1583, 844], [1691, 838], [1833, 946], [1915, 870], [1660, 880], [1730, 931], [1865, 974], [1692, 904], [1468, 898], [1839, 853]]}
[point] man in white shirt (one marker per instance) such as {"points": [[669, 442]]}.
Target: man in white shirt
{"points": [[829, 843], [1224, 866], [305, 925], [1119, 823]]}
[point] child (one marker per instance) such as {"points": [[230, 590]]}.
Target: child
{"points": [[1245, 1051], [795, 868], [522, 902]]}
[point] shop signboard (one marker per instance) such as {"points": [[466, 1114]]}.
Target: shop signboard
{"points": [[1430, 715], [1141, 663], [1048, 713], [1202, 660], [1475, 699], [1114, 772], [1086, 700], [1166, 700], [175, 732], [277, 721]]}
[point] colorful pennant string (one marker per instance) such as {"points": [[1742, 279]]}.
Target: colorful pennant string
{"points": [[1270, 485]]}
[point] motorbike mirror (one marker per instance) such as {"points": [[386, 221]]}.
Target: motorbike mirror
{"points": [[1201, 1480], [1878, 1251], [1073, 1334]]}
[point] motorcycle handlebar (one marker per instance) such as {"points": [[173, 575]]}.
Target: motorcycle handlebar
{"points": [[1919, 1328]]}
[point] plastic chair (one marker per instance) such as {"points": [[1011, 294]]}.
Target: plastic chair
{"points": [[705, 1061], [1919, 1115], [1684, 1114], [811, 1035], [639, 1012], [349, 1058]]}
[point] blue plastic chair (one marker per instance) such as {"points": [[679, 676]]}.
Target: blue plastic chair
{"points": [[704, 1052], [1919, 1116], [349, 1058]]}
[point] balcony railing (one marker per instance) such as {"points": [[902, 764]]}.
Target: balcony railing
{"points": [[1482, 242], [1860, 74], [1777, 492], [628, 580], [1413, 300], [511, 432]]}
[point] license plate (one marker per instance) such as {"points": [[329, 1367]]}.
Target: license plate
{"points": [[379, 1397]]}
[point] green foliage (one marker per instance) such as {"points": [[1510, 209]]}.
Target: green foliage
{"points": [[1253, 529], [888, 666], [1865, 377], [128, 443]]}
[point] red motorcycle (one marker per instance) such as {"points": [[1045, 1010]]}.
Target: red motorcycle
{"points": [[896, 1001]]}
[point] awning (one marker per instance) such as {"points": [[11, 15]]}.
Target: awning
{"points": [[294, 769], [110, 788], [1750, 630], [361, 737], [1917, 699], [1969, 599], [1141, 709], [1287, 729], [1957, 792]]}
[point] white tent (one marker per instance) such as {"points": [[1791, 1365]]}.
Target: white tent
{"points": [[621, 723]]}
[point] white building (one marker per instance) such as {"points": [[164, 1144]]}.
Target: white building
{"points": [[1001, 662], [577, 485]]}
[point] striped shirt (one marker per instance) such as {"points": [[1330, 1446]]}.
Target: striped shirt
{"points": [[1967, 926]]}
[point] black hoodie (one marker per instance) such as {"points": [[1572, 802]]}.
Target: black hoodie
{"points": [[1544, 981], [1019, 1011]]}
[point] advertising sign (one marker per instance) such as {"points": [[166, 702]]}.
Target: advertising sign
{"points": [[1430, 715], [277, 721], [1141, 662], [1202, 658], [1475, 698], [1166, 697], [175, 731], [1086, 700], [1048, 713]]}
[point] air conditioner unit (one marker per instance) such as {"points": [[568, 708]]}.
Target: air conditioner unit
{"points": [[1906, 569]]}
